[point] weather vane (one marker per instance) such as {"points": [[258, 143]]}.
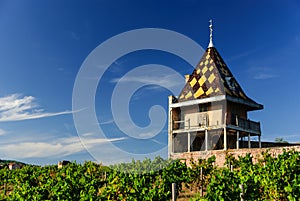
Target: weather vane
{"points": [[210, 36]]}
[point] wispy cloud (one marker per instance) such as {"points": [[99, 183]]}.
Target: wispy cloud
{"points": [[61, 147], [241, 55], [147, 135], [262, 73], [117, 66], [146, 92], [154, 80], [2, 132], [74, 36], [166, 80], [159, 142], [110, 121], [264, 76], [16, 108]]}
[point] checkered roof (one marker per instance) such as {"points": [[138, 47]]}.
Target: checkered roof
{"points": [[211, 77]]}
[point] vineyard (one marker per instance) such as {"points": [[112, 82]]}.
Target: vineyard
{"points": [[271, 178]]}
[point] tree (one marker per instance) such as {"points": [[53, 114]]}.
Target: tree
{"points": [[280, 140]]}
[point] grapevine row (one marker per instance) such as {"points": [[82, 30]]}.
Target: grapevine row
{"points": [[271, 178]]}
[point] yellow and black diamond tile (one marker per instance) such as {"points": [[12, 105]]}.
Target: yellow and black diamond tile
{"points": [[208, 79]]}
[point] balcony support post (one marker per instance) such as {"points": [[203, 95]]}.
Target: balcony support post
{"points": [[206, 140], [225, 138], [259, 142], [170, 129], [249, 141], [189, 142], [237, 140]]}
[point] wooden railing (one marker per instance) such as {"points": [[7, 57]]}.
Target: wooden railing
{"points": [[203, 122], [249, 125], [198, 121], [246, 124]]}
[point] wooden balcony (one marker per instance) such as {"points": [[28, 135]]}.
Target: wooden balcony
{"points": [[246, 124], [209, 120], [198, 121]]}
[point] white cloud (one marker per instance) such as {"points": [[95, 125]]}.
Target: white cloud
{"points": [[61, 147], [110, 121], [16, 108], [161, 80], [147, 135], [241, 55], [262, 73], [158, 142], [264, 76], [2, 132]]}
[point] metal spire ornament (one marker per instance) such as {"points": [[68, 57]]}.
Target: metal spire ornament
{"points": [[210, 35]]}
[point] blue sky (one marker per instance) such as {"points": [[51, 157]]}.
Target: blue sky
{"points": [[44, 44]]}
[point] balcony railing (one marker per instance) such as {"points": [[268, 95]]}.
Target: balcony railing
{"points": [[246, 124], [203, 121], [177, 125], [195, 120]]}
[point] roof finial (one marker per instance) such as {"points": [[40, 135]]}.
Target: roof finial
{"points": [[210, 35]]}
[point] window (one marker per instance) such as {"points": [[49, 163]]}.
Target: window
{"points": [[203, 107]]}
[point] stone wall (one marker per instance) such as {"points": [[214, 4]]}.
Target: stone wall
{"points": [[221, 154]]}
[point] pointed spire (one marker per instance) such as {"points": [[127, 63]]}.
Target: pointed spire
{"points": [[210, 35]]}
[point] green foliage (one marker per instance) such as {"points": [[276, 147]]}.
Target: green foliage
{"points": [[224, 185], [279, 177], [145, 180], [138, 180], [196, 181], [280, 140], [72, 182], [271, 178]]}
